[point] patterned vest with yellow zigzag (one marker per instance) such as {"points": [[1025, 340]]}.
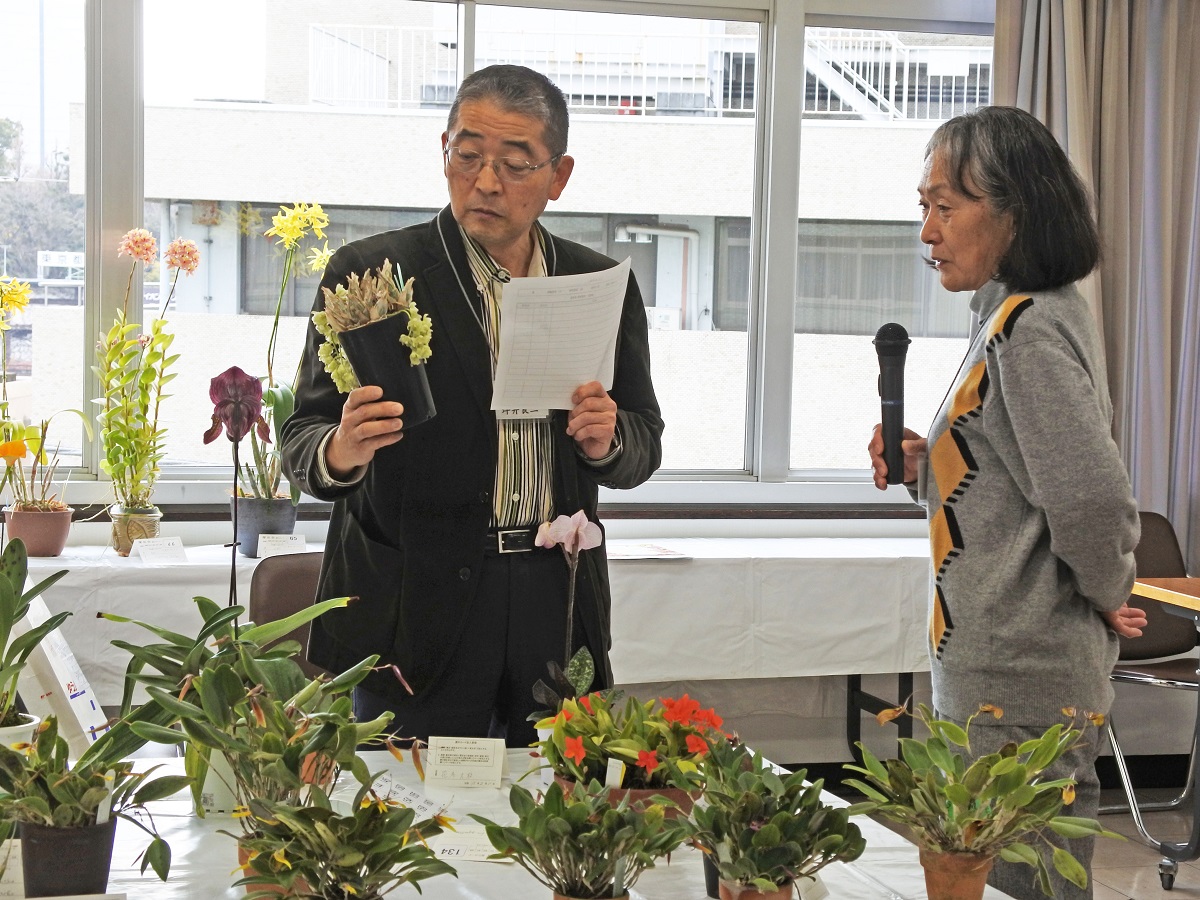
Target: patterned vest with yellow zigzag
{"points": [[954, 469]]}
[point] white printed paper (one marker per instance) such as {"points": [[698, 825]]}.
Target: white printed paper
{"points": [[468, 843], [279, 544], [159, 551], [557, 333], [452, 762]]}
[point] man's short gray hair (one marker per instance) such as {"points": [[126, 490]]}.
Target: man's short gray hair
{"points": [[518, 89]]}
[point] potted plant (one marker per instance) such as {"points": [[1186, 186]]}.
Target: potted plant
{"points": [[362, 322], [314, 852], [963, 813], [582, 846], [258, 505], [763, 829], [67, 814], [649, 745], [16, 726], [574, 676], [132, 369], [36, 514]]}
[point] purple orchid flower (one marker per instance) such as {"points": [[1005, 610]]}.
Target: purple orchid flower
{"points": [[237, 406]]}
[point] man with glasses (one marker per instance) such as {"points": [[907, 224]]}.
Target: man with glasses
{"points": [[433, 531]]}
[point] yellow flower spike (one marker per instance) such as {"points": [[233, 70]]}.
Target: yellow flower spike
{"points": [[417, 764], [394, 750], [1068, 794], [318, 259], [280, 857], [445, 821], [349, 888], [996, 711], [889, 715]]}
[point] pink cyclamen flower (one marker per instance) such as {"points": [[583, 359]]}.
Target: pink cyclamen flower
{"points": [[237, 406], [140, 244], [575, 533], [182, 254]]}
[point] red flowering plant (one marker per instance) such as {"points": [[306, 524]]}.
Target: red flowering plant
{"points": [[658, 743]]}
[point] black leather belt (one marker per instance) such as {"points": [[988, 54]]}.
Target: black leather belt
{"points": [[509, 540]]}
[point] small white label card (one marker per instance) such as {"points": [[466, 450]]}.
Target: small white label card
{"points": [[452, 762], [811, 888], [159, 551], [279, 544], [469, 842], [614, 773]]}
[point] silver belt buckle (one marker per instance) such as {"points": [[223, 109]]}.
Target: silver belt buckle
{"points": [[501, 535]]}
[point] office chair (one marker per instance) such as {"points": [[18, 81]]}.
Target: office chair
{"points": [[1165, 635], [282, 585]]}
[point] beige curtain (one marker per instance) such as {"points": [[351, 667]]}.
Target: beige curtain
{"points": [[1118, 83]]}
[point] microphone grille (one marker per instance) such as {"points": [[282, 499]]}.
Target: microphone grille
{"points": [[891, 340]]}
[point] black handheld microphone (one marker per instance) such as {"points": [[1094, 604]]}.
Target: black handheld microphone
{"points": [[891, 344]]}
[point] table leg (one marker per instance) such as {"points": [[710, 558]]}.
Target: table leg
{"points": [[859, 701]]}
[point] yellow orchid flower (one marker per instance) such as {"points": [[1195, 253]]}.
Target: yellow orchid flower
{"points": [[1068, 794], [318, 258], [280, 858]]}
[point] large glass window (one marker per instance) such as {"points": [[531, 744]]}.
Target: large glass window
{"points": [[872, 99], [663, 134], [42, 214], [335, 103]]}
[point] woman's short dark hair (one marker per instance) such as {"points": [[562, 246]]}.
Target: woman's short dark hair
{"points": [[1016, 164], [518, 89]]}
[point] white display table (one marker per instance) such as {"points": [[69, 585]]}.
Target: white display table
{"points": [[721, 609]]}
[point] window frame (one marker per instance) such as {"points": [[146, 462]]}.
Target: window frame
{"points": [[114, 149]]}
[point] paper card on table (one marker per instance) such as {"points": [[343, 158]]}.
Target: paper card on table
{"points": [[556, 334], [811, 888], [467, 843], [12, 883], [279, 544], [452, 762], [159, 551]]}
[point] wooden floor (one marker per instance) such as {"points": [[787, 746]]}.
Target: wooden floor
{"points": [[1128, 870]]}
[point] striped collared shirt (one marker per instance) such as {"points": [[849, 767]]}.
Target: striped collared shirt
{"points": [[523, 493]]}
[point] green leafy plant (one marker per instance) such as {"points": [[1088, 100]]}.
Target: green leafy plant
{"points": [[315, 852], [581, 845], [276, 747], [42, 788], [132, 370], [765, 828], [173, 665], [656, 740], [35, 492], [14, 606], [1000, 804]]}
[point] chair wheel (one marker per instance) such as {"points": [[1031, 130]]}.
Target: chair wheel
{"points": [[1167, 870]]}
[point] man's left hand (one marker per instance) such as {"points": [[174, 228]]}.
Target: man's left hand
{"points": [[593, 421]]}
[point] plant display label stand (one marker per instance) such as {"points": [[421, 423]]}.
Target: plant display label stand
{"points": [[53, 684]]}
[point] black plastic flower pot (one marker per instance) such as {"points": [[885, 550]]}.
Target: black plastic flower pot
{"points": [[60, 862], [377, 357]]}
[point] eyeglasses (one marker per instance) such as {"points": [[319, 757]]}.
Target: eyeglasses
{"points": [[507, 168]]}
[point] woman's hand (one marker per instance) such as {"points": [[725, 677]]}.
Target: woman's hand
{"points": [[1126, 621], [914, 447]]}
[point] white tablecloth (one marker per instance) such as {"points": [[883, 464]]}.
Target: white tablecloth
{"points": [[720, 609], [888, 870]]}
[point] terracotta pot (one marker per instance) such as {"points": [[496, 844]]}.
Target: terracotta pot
{"points": [[682, 798], [243, 860], [130, 525], [66, 861], [955, 876], [731, 890], [261, 515], [44, 533]]}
